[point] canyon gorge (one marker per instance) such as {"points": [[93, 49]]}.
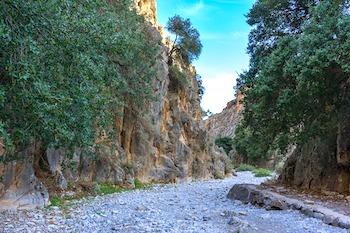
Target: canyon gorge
{"points": [[167, 142]]}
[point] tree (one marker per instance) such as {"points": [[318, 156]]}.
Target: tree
{"points": [[300, 88], [225, 143], [67, 66], [271, 20], [187, 44]]}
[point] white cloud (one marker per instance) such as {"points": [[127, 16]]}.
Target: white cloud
{"points": [[194, 9], [218, 91]]}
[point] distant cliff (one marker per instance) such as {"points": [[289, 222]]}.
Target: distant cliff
{"points": [[223, 124]]}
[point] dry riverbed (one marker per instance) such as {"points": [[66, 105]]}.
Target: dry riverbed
{"points": [[189, 207]]}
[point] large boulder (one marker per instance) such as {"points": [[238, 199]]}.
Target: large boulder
{"points": [[20, 188]]}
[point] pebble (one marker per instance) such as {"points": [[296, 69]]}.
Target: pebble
{"points": [[243, 213], [206, 218], [348, 198], [197, 207], [309, 202]]}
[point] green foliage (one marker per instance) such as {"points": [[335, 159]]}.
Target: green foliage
{"points": [[271, 20], [245, 167], [187, 43], [261, 172], [56, 201], [298, 85], [67, 66], [107, 188], [139, 185], [225, 142], [178, 79], [200, 86], [258, 172]]}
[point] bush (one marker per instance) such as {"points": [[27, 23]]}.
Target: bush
{"points": [[106, 188], [245, 167], [201, 88], [139, 185], [262, 172], [66, 67], [226, 143], [178, 79], [56, 201]]}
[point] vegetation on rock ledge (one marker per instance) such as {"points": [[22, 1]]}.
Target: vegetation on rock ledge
{"points": [[67, 66], [187, 44], [225, 143]]}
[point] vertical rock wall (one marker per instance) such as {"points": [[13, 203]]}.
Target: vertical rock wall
{"points": [[322, 163], [166, 141]]}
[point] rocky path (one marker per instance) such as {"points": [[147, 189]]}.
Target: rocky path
{"points": [[190, 207]]}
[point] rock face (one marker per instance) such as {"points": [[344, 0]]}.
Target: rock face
{"points": [[166, 141], [223, 124], [248, 193], [148, 8], [19, 187], [322, 163]]}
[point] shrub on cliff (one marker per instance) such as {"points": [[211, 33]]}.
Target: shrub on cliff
{"points": [[67, 66], [225, 143], [201, 88], [187, 43], [178, 78]]}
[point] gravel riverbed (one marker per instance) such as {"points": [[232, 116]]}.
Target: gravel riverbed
{"points": [[196, 207]]}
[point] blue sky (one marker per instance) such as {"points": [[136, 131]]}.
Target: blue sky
{"points": [[224, 35]]}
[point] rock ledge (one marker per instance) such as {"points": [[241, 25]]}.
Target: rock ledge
{"points": [[249, 193]]}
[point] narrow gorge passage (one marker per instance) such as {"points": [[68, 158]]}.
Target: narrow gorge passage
{"points": [[189, 207]]}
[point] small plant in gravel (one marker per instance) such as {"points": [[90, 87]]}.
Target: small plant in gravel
{"points": [[140, 185], [245, 167], [261, 172], [99, 189], [107, 188], [56, 201]]}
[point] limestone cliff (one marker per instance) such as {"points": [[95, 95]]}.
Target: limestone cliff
{"points": [[148, 8], [223, 124], [321, 164], [166, 141]]}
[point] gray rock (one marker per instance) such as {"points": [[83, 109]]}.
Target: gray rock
{"points": [[149, 211], [22, 188], [248, 193]]}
